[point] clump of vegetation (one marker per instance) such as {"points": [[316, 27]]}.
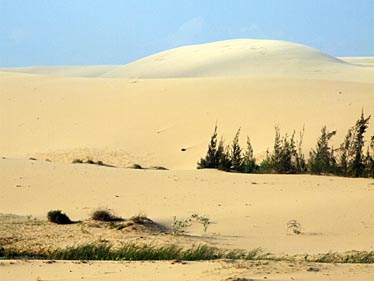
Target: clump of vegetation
{"points": [[322, 159], [104, 215], [179, 226], [136, 166], [287, 157], [56, 216], [294, 226], [202, 220], [90, 161], [353, 162], [136, 252], [351, 257], [160, 168]]}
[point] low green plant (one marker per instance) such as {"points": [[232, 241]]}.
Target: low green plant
{"points": [[104, 251], [179, 226], [56, 216], [202, 220], [294, 226], [352, 257]]}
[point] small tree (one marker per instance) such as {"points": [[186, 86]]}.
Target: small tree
{"points": [[283, 158], [346, 153], [369, 160], [223, 157], [275, 157], [322, 160], [236, 154], [299, 156], [357, 166], [352, 160], [249, 162], [211, 159]]}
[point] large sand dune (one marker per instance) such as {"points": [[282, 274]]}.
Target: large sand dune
{"points": [[230, 58]]}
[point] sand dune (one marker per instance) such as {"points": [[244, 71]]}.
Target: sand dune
{"points": [[230, 58], [124, 121]]}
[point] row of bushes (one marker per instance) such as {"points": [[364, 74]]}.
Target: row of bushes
{"points": [[348, 160]]}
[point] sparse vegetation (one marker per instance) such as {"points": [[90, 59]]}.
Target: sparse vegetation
{"points": [[352, 257], [90, 161], [136, 166], [56, 216], [179, 226], [134, 252], [202, 220], [104, 215], [294, 226]]}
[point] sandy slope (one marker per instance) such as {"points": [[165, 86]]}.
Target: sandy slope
{"points": [[122, 121], [362, 61], [248, 211]]}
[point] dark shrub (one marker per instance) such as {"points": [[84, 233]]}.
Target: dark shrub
{"points": [[56, 216], [104, 215]]}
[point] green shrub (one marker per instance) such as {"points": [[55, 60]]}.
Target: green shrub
{"points": [[56, 216], [322, 159]]}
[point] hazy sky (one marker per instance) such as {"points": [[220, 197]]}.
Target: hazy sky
{"points": [[79, 32]]}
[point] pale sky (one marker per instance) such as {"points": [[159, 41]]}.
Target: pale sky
{"points": [[91, 32]]}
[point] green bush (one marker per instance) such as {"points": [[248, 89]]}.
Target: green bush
{"points": [[322, 159]]}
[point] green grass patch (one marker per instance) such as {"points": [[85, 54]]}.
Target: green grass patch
{"points": [[352, 257], [134, 252]]}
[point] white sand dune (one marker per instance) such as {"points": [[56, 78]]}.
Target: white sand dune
{"points": [[362, 61], [230, 58]]}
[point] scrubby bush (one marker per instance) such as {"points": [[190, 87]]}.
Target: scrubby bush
{"points": [[249, 161], [236, 156], [211, 159], [56, 216], [322, 159], [352, 159], [104, 215]]}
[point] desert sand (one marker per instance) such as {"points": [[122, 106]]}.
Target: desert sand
{"points": [[161, 111]]}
